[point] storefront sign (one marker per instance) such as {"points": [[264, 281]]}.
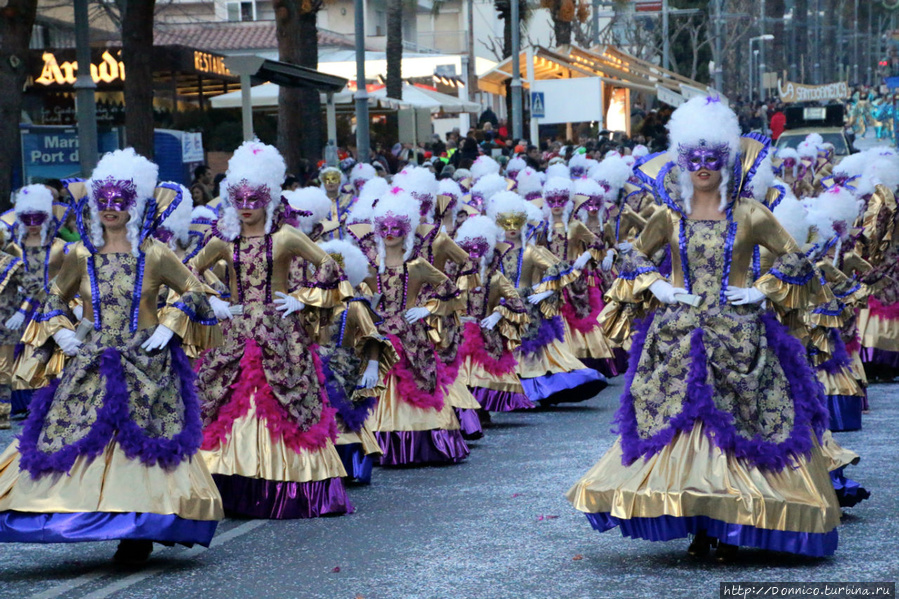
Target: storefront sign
{"points": [[52, 152], [204, 62], [797, 92], [59, 73], [192, 147]]}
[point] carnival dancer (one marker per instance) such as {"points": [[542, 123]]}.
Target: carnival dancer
{"points": [[355, 359], [269, 431], [414, 421], [341, 201], [794, 171], [107, 450], [515, 165], [529, 184], [549, 371], [42, 254], [495, 318], [721, 418], [10, 280]]}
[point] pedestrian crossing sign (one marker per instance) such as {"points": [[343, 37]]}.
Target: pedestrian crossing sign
{"points": [[538, 107]]}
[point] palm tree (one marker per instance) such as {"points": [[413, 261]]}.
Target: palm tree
{"points": [[16, 21], [394, 49], [300, 130]]}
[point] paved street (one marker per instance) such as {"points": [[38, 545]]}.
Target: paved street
{"points": [[496, 526]]}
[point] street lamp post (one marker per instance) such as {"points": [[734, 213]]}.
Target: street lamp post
{"points": [[84, 92], [517, 120], [363, 142], [763, 38]]}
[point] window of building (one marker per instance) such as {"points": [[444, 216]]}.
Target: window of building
{"points": [[242, 11]]}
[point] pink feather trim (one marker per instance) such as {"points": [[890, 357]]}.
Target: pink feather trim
{"points": [[884, 311], [854, 346], [590, 322], [405, 381], [473, 347], [251, 383]]}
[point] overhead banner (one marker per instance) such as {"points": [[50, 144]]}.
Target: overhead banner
{"points": [[797, 92], [672, 98]]}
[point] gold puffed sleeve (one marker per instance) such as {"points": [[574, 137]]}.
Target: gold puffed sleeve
{"points": [[360, 334], [214, 251], [329, 287], [189, 314], [792, 282], [447, 250], [504, 298], [580, 240], [53, 315], [445, 299]]}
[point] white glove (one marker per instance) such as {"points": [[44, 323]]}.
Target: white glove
{"points": [[539, 297], [665, 292], [78, 311], [413, 315], [742, 296], [581, 261], [220, 308], [625, 246], [287, 305], [67, 341], [370, 376], [491, 321], [608, 261], [159, 339], [15, 322]]}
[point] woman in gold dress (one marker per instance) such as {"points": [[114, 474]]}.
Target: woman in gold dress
{"points": [[722, 417]]}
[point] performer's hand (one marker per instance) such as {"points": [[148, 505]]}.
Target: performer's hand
{"points": [[67, 341], [287, 305], [15, 322], [413, 315], [370, 376], [625, 246], [78, 311], [159, 339], [582, 261], [742, 296], [491, 321], [220, 308], [665, 292], [608, 261], [536, 298]]}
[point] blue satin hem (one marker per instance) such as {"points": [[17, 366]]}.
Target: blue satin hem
{"points": [[79, 527], [357, 464], [845, 412], [574, 386], [849, 492], [665, 528]]}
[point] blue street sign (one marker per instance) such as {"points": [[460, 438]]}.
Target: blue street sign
{"points": [[538, 107]]}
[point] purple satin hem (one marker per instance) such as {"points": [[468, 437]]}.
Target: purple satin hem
{"points": [[281, 500], [406, 448], [501, 401], [469, 423], [665, 528], [355, 461], [604, 366], [565, 387], [849, 492], [880, 357], [79, 527], [845, 412]]}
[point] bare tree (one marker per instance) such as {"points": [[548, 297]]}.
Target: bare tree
{"points": [[300, 131], [394, 49], [16, 22]]}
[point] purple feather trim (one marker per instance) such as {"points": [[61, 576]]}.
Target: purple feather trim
{"points": [[354, 414], [549, 330], [839, 359], [809, 405], [114, 417]]}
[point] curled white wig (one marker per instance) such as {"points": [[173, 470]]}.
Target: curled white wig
{"points": [[178, 222], [203, 212], [371, 192], [461, 173], [834, 212], [559, 169], [256, 165], [355, 264], [516, 165], [882, 170], [557, 186], [31, 199], [123, 167], [793, 216], [852, 165], [396, 203], [362, 172], [485, 227], [482, 166], [421, 184], [309, 199], [703, 122], [489, 185], [807, 149], [815, 139], [529, 183], [787, 153], [578, 166], [613, 172], [639, 151]]}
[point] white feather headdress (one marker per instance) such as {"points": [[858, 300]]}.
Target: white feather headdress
{"points": [[30, 199], [309, 199], [256, 165], [355, 264]]}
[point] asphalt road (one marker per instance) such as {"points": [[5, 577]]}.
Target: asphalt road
{"points": [[495, 526]]}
